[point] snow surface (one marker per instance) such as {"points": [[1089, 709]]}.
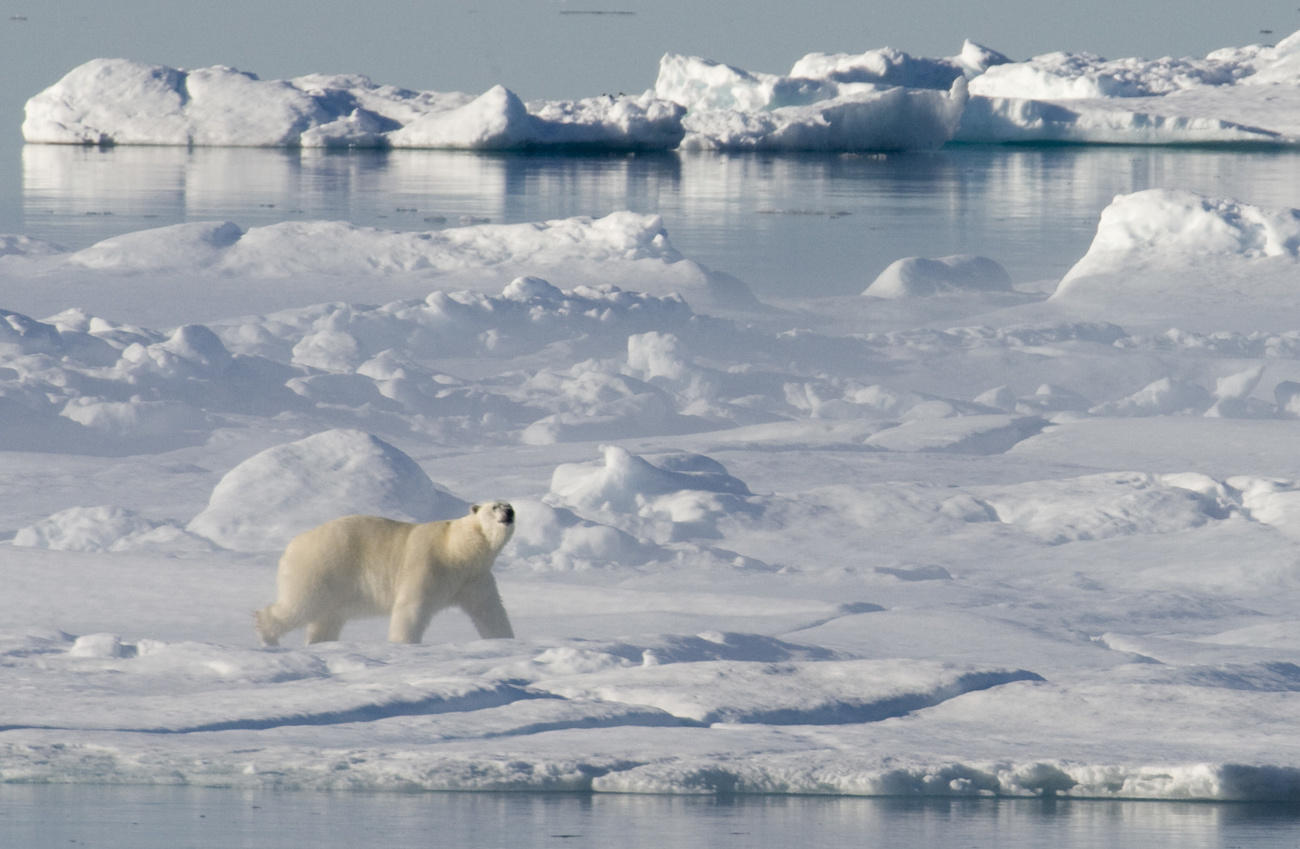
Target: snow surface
{"points": [[1045, 548], [880, 100]]}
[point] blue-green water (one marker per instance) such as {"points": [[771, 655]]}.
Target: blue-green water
{"points": [[787, 225], [107, 817]]}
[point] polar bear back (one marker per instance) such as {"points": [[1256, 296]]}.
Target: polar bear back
{"points": [[365, 559]]}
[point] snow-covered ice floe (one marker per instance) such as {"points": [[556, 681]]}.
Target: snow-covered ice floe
{"points": [[880, 100], [1046, 548], [838, 109], [119, 101], [1236, 95], [264, 265]]}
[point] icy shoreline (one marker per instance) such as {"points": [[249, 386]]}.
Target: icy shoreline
{"points": [[880, 100]]}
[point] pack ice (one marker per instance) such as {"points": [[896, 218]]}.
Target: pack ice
{"points": [[988, 541]]}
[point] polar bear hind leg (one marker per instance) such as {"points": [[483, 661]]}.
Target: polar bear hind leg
{"points": [[271, 627], [323, 629]]}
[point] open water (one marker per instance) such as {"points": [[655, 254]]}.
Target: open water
{"points": [[795, 225], [62, 816]]}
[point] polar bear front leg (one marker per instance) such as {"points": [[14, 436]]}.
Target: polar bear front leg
{"points": [[481, 600], [409, 618]]}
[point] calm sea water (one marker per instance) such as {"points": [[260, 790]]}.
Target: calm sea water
{"points": [[788, 224], [44, 817]]}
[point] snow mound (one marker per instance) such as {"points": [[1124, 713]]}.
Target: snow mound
{"points": [[921, 277], [1161, 244], [105, 528], [118, 101], [624, 478], [553, 538], [1182, 225], [1273, 502], [1163, 397], [680, 496], [1109, 505], [269, 498]]}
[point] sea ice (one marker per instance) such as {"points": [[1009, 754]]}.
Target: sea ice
{"points": [[1047, 550], [119, 101], [882, 99]]}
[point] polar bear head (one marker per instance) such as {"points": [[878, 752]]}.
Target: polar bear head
{"points": [[497, 519]]}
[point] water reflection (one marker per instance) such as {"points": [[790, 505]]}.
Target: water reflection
{"points": [[825, 224], [37, 817]]}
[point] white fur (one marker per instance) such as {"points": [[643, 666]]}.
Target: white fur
{"points": [[370, 566]]}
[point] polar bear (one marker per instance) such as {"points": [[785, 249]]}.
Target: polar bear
{"points": [[371, 566]]}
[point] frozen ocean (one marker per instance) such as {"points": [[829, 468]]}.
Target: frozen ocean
{"points": [[893, 426]]}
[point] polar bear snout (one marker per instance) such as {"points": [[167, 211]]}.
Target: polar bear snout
{"points": [[501, 511]]}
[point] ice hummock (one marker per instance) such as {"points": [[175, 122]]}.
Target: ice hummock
{"points": [[1222, 261], [879, 100], [312, 480], [835, 109]]}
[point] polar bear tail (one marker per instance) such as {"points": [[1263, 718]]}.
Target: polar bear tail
{"points": [[267, 626]]}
